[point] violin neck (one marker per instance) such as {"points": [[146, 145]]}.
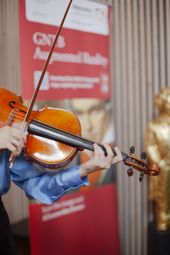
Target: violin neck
{"points": [[43, 130]]}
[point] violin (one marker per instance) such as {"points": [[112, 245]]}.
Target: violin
{"points": [[54, 135]]}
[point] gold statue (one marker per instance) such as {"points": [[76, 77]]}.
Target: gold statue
{"points": [[158, 149]]}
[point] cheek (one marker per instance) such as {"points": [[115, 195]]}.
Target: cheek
{"points": [[99, 118], [83, 119]]}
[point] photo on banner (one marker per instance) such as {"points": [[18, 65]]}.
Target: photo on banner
{"points": [[96, 119]]}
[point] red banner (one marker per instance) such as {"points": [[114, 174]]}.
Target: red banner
{"points": [[79, 223], [85, 222], [79, 66]]}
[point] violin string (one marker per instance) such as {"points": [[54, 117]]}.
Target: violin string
{"points": [[6, 114], [15, 111], [10, 118], [16, 115]]}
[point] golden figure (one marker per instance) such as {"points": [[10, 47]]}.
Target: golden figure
{"points": [[158, 149]]}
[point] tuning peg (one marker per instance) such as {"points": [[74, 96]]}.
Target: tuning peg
{"points": [[143, 155], [130, 171], [132, 150], [141, 176]]}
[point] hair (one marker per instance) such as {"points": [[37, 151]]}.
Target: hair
{"points": [[162, 99]]}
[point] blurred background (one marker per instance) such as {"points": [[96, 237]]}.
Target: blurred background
{"points": [[110, 67]]}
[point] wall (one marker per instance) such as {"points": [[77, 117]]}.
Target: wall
{"points": [[141, 57]]}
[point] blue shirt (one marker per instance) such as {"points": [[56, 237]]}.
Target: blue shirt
{"points": [[38, 183]]}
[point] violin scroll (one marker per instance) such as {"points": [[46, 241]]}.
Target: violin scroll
{"points": [[139, 164]]}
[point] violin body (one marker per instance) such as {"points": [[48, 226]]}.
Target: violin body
{"points": [[54, 135], [46, 152]]}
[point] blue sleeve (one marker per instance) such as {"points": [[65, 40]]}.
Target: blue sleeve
{"points": [[46, 187]]}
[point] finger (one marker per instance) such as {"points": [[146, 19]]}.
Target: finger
{"points": [[20, 147], [96, 153], [99, 158], [118, 152], [11, 147], [102, 157], [18, 151], [21, 139], [12, 156], [17, 135], [106, 157], [16, 143], [15, 152], [109, 150], [118, 156], [109, 157]]}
